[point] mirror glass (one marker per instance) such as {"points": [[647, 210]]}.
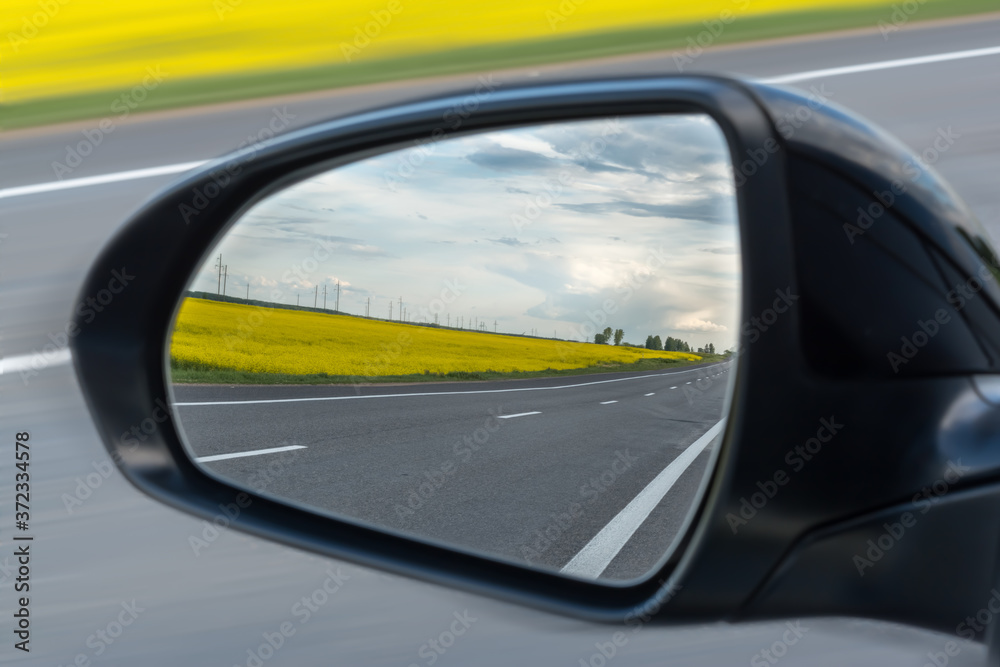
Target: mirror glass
{"points": [[515, 342]]}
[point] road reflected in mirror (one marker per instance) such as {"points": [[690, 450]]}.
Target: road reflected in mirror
{"points": [[517, 343]]}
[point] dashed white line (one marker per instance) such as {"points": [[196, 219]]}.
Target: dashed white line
{"points": [[519, 414], [255, 452], [598, 553], [673, 387], [650, 393], [23, 363], [608, 402]]}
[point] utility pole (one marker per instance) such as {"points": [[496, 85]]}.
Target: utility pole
{"points": [[449, 320], [324, 296], [296, 298], [316, 297], [218, 289], [368, 307], [338, 295], [400, 306], [494, 326], [390, 311], [225, 275]]}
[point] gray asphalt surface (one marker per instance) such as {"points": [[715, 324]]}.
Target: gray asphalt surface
{"points": [[213, 606], [448, 461]]}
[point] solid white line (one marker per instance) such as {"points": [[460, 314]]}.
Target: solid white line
{"points": [[608, 402], [433, 393], [882, 65], [650, 393], [784, 78], [35, 362], [99, 180], [255, 452], [598, 553], [519, 414]]}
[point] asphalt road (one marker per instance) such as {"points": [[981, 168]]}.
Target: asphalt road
{"points": [[213, 606], [528, 470]]}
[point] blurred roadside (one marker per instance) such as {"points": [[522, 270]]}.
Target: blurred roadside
{"points": [[63, 60]]}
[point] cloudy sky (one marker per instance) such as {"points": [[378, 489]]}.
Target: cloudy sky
{"points": [[554, 228]]}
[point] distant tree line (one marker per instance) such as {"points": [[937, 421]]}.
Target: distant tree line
{"points": [[652, 342]]}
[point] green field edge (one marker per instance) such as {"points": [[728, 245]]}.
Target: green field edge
{"points": [[218, 89], [189, 374]]}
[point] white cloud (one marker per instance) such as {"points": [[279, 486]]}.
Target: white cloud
{"points": [[696, 325]]}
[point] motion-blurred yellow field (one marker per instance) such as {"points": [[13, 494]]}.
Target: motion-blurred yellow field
{"points": [[60, 47], [210, 335]]}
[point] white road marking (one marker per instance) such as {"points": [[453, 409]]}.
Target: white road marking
{"points": [[882, 65], [519, 414], [35, 362], [650, 393], [687, 383], [598, 553], [608, 402], [103, 179], [673, 387], [255, 452], [432, 393], [784, 78]]}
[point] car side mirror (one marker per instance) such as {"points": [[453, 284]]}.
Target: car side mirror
{"points": [[845, 463]]}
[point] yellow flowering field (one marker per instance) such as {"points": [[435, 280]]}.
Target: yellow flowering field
{"points": [[62, 47], [211, 335]]}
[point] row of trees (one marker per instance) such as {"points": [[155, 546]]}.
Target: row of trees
{"points": [[608, 334], [652, 342]]}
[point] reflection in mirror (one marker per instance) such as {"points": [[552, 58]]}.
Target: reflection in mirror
{"points": [[515, 342]]}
